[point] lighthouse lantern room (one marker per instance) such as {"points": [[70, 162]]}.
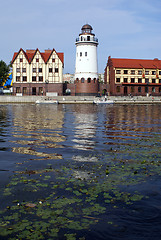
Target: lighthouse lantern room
{"points": [[86, 69]]}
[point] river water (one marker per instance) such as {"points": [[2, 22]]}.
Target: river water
{"points": [[80, 171]]}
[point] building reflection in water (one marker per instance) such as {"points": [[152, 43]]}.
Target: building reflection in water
{"points": [[85, 127], [84, 139], [38, 130], [130, 122]]}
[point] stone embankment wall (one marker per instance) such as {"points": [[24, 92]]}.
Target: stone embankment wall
{"points": [[79, 99]]}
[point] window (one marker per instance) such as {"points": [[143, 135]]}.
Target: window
{"points": [[153, 89], [132, 80], [50, 70], [37, 60], [159, 80], [159, 89], [24, 79], [140, 72], [88, 38], [41, 79], [40, 91], [125, 80], [159, 72], [117, 80], [53, 60], [118, 71], [77, 80], [17, 78], [56, 70], [40, 70], [21, 60], [153, 80], [34, 91], [139, 80], [146, 89], [118, 89], [34, 70], [85, 54], [125, 71], [18, 90], [80, 54], [146, 72], [82, 80], [33, 79], [89, 80], [17, 69], [133, 72], [94, 80], [139, 89], [153, 72], [23, 70], [24, 90], [146, 80]]}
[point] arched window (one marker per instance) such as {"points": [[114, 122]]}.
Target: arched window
{"points": [[94, 80], [77, 80], [82, 80], [89, 80]]}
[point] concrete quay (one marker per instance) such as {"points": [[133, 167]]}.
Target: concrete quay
{"points": [[81, 99]]}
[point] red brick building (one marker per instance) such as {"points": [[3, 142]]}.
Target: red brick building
{"points": [[135, 77]]}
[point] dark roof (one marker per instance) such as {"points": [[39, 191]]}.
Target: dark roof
{"points": [[87, 26]]}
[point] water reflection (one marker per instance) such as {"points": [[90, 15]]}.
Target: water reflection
{"points": [[37, 129], [85, 127], [110, 161], [130, 123]]}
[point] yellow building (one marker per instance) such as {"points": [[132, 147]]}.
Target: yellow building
{"points": [[133, 76], [37, 73]]}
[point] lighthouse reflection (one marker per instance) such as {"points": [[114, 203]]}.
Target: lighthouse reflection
{"points": [[85, 127]]}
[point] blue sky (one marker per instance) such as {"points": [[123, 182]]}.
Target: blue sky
{"points": [[124, 28]]}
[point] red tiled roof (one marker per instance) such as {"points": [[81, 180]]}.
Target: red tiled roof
{"points": [[29, 54], [61, 56], [136, 63]]}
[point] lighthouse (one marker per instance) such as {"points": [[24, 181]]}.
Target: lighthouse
{"points": [[86, 69]]}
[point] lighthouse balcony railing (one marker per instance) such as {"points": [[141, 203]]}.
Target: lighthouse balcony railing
{"points": [[86, 40]]}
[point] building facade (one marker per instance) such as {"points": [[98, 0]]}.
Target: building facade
{"points": [[133, 77], [37, 73], [86, 69]]}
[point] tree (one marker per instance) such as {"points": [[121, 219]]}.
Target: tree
{"points": [[4, 71]]}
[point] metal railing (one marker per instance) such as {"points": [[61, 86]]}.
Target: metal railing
{"points": [[86, 40]]}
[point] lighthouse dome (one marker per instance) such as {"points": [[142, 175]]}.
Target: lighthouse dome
{"points": [[86, 29], [87, 26]]}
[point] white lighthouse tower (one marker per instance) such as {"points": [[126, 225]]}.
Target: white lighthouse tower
{"points": [[86, 69]]}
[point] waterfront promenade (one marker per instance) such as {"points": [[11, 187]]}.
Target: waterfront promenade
{"points": [[81, 99]]}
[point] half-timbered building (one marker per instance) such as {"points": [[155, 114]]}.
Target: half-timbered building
{"points": [[38, 73]]}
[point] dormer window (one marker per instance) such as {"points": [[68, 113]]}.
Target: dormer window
{"points": [[88, 38]]}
